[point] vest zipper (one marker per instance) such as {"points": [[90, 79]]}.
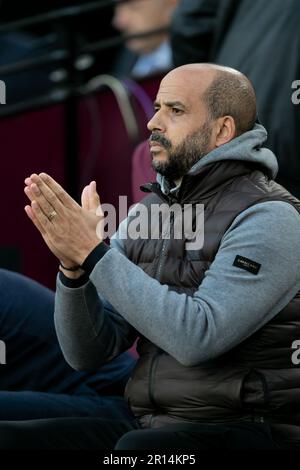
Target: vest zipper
{"points": [[152, 371], [160, 263], [154, 362], [153, 367], [164, 246]]}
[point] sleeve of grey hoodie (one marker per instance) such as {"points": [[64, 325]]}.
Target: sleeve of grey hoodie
{"points": [[89, 330], [229, 305]]}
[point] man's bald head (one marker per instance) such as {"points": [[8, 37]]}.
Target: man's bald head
{"points": [[225, 92]]}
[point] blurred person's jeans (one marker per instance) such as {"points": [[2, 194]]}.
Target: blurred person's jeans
{"points": [[36, 381]]}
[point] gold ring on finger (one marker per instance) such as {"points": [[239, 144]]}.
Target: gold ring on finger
{"points": [[52, 215]]}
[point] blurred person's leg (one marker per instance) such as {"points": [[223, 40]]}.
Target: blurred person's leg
{"points": [[34, 362], [63, 433], [25, 405]]}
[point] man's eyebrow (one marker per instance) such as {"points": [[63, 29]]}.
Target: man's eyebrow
{"points": [[170, 104]]}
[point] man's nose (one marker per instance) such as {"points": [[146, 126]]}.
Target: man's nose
{"points": [[156, 124]]}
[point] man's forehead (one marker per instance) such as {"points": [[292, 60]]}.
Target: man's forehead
{"points": [[173, 93], [184, 85]]}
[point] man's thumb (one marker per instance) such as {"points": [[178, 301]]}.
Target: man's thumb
{"points": [[94, 196]]}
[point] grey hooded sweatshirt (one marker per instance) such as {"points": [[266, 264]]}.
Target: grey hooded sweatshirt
{"points": [[98, 320]]}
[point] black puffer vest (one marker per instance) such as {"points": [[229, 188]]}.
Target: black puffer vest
{"points": [[257, 379]]}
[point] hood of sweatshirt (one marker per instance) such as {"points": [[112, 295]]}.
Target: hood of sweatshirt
{"points": [[248, 147]]}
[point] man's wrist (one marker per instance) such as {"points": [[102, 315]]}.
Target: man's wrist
{"points": [[75, 273], [80, 276], [73, 282], [95, 255]]}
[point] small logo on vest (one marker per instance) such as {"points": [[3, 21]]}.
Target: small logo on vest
{"points": [[246, 264], [296, 354]]}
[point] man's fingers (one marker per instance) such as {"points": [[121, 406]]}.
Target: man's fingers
{"points": [[90, 199], [41, 218], [85, 198], [30, 214], [94, 196], [28, 181], [43, 192], [34, 193], [51, 186], [29, 193]]}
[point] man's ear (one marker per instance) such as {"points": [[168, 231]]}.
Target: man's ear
{"points": [[226, 130]]}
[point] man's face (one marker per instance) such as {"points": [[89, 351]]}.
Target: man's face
{"points": [[181, 129], [141, 16]]}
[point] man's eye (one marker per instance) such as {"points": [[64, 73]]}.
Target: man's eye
{"points": [[176, 110]]}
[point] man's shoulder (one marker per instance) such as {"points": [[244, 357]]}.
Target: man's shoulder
{"points": [[276, 210], [271, 223]]}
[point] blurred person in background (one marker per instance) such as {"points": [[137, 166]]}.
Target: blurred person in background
{"points": [[19, 46], [43, 38], [262, 40], [147, 55], [35, 380]]}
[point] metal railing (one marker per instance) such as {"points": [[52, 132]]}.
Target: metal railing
{"points": [[66, 55], [72, 88]]}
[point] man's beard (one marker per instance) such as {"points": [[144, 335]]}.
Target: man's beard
{"points": [[182, 157]]}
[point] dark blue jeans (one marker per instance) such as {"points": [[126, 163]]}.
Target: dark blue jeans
{"points": [[36, 382]]}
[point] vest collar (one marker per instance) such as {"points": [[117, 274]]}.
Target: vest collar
{"points": [[209, 180]]}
